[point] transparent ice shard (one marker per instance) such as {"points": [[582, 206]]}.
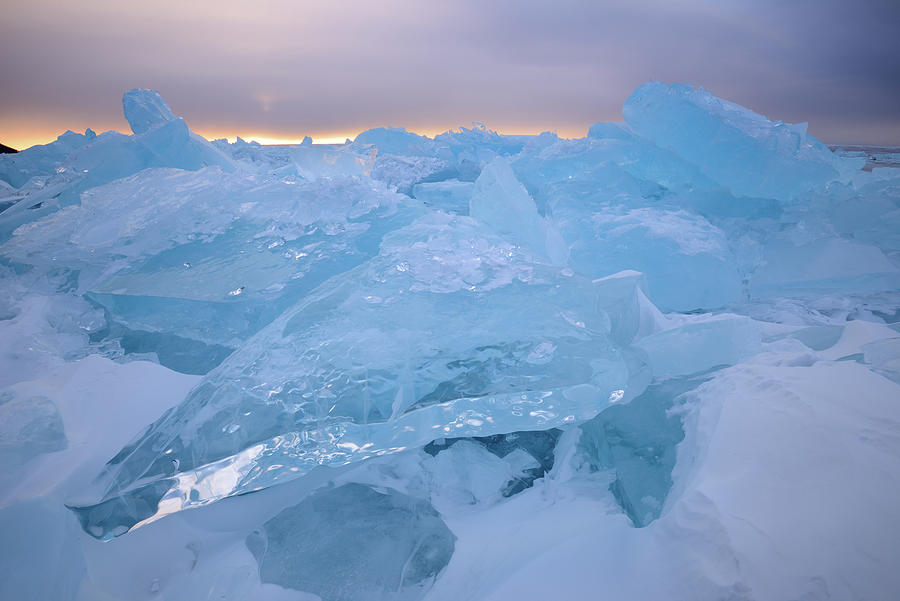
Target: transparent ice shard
{"points": [[526, 456], [110, 156], [699, 345], [824, 265], [145, 109], [355, 543], [397, 141], [736, 147], [41, 160], [467, 473], [209, 256], [451, 196], [884, 357], [29, 426], [501, 201], [639, 441], [686, 259], [449, 332]]}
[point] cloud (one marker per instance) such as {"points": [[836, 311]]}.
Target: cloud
{"points": [[303, 67]]}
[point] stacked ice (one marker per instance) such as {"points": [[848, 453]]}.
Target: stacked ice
{"points": [[420, 340]]}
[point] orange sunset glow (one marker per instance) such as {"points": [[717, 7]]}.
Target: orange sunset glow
{"points": [[332, 71], [22, 137]]}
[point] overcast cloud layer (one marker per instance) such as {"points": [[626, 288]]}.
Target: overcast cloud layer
{"points": [[281, 68]]}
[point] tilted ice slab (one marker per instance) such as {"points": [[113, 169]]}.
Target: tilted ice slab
{"points": [[686, 259], [41, 160], [145, 109], [736, 147], [207, 255], [501, 201], [868, 210], [405, 159], [824, 265], [105, 158], [621, 203], [400, 545], [450, 331], [282, 241], [128, 220], [451, 196], [397, 141]]}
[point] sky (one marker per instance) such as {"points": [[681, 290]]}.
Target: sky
{"points": [[278, 70]]}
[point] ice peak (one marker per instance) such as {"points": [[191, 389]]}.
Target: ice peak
{"points": [[145, 109]]}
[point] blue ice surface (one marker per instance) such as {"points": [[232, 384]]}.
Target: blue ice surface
{"points": [[400, 545], [42, 159], [374, 362], [736, 147], [638, 441], [101, 159], [145, 109], [345, 302]]}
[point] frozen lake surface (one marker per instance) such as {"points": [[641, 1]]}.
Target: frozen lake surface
{"points": [[661, 361]]}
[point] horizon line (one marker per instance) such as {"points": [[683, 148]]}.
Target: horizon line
{"points": [[20, 143], [24, 142]]}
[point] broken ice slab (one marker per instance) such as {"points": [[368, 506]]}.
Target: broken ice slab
{"points": [[868, 211], [501, 201], [467, 474], [403, 173], [169, 144], [120, 223], [355, 543], [884, 357], [145, 109], [699, 344], [315, 161], [223, 291], [405, 159], [827, 265], [478, 144], [29, 426], [625, 204], [178, 353], [209, 256], [686, 259], [451, 196], [639, 441], [397, 141], [736, 147], [449, 332], [610, 130], [817, 338], [108, 157], [484, 468], [9, 196], [42, 159], [627, 171]]}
